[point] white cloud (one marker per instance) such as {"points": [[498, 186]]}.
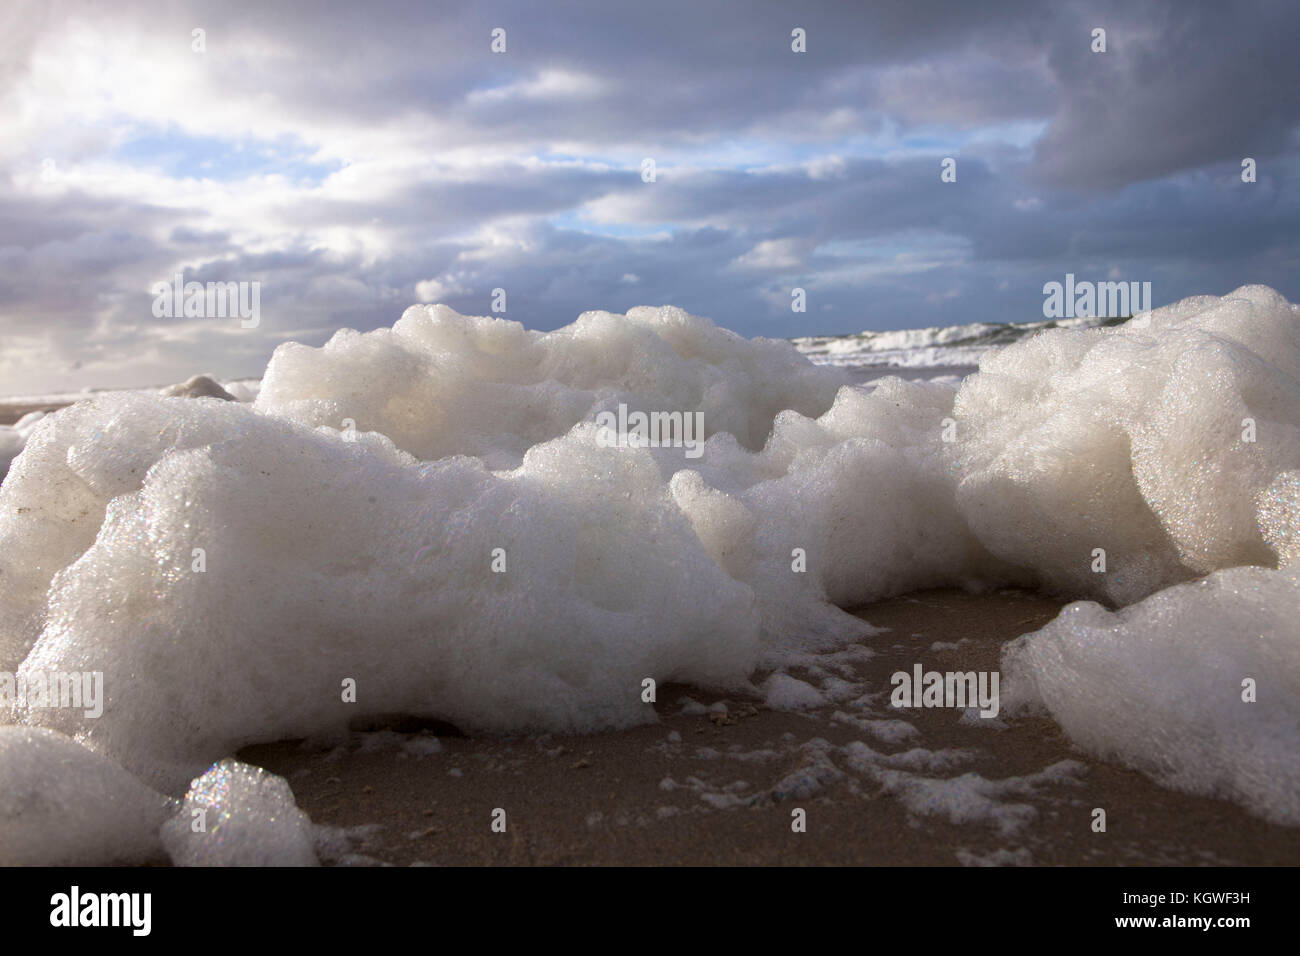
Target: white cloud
{"points": [[547, 85], [439, 290], [775, 255]]}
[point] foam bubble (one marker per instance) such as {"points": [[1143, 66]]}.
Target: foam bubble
{"points": [[248, 818]]}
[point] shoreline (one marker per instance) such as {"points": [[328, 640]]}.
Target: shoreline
{"points": [[706, 788]]}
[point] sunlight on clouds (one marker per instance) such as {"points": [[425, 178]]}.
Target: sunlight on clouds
{"points": [[775, 255], [439, 290], [547, 85]]}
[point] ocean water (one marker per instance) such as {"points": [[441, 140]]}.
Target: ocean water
{"points": [[944, 350], [432, 515]]}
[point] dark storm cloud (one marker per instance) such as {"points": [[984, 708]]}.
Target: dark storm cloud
{"points": [[1181, 86]]}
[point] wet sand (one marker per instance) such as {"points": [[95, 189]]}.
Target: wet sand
{"points": [[718, 788]]}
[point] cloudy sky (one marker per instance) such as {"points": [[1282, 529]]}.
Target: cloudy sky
{"points": [[355, 158]]}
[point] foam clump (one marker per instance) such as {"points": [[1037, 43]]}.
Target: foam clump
{"points": [[1150, 441], [55, 499], [783, 692], [325, 560], [61, 804], [439, 383], [239, 815], [1162, 685], [836, 511]]}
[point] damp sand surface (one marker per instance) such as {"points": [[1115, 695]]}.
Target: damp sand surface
{"points": [[719, 788]]}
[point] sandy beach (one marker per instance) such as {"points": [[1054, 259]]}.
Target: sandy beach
{"points": [[714, 789]]}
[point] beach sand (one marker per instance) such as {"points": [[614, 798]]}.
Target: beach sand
{"points": [[703, 789]]}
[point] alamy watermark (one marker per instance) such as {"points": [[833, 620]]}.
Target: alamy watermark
{"points": [[75, 690], [654, 430], [961, 689], [1111, 300], [213, 300], [74, 908]]}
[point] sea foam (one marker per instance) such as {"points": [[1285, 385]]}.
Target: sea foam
{"points": [[14, 437], [426, 514], [1198, 685]]}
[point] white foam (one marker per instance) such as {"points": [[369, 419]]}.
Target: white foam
{"points": [[783, 692], [326, 559], [439, 383], [62, 804], [967, 798], [14, 437], [1133, 440], [238, 815], [379, 572], [1159, 685]]}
